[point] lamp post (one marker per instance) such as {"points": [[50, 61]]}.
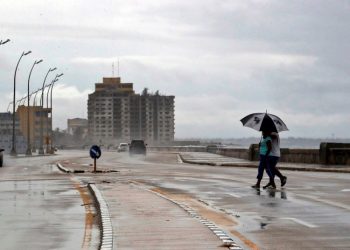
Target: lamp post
{"points": [[47, 101], [34, 100], [29, 147], [41, 149], [13, 150], [3, 42]]}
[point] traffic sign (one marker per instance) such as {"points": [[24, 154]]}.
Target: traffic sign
{"points": [[95, 152]]}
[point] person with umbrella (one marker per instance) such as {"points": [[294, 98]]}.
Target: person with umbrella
{"points": [[273, 158], [265, 147], [269, 148]]}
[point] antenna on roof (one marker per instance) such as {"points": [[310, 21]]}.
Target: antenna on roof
{"points": [[113, 69], [118, 67]]}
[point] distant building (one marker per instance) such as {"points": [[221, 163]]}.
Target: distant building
{"points": [[77, 127], [117, 114], [6, 126]]}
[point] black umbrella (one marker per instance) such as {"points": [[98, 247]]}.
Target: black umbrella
{"points": [[264, 122]]}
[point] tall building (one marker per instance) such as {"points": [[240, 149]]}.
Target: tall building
{"points": [[117, 114]]}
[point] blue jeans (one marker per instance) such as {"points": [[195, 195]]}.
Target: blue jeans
{"points": [[264, 164], [271, 163]]}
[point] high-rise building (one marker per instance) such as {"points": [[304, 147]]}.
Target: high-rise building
{"points": [[117, 114]]}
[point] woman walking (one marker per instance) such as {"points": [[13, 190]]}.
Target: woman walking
{"points": [[272, 160], [265, 147]]}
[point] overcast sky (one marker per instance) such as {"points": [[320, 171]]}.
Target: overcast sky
{"points": [[222, 59]]}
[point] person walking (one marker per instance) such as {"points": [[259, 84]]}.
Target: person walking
{"points": [[272, 160], [265, 147]]}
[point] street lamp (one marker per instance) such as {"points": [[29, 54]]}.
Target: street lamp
{"points": [[29, 148], [47, 102], [41, 149], [36, 93], [13, 150], [3, 42]]}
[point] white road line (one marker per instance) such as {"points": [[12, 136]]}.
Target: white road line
{"points": [[234, 195], [332, 203], [346, 190], [301, 222], [179, 160]]}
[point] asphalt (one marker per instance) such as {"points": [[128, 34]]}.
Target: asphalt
{"points": [[143, 219]]}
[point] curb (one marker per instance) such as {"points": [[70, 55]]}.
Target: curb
{"points": [[63, 169], [105, 219], [249, 165], [227, 240]]}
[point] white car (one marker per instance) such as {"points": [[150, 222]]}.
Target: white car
{"points": [[123, 147]]}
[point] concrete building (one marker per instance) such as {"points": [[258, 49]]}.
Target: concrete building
{"points": [[35, 124], [6, 125], [117, 114]]}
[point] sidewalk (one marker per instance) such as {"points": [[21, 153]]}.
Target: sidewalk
{"points": [[143, 220], [219, 160]]}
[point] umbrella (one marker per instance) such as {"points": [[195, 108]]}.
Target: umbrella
{"points": [[264, 122]]}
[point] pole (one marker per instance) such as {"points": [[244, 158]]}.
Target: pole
{"points": [[53, 83], [47, 120], [41, 149], [29, 147], [94, 165], [13, 150]]}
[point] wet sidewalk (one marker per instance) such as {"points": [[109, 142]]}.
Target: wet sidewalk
{"points": [[142, 219], [224, 161]]}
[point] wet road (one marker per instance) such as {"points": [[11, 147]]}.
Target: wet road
{"points": [[311, 212], [41, 208]]}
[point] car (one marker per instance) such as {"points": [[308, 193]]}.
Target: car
{"points": [[123, 147], [137, 147], [1, 157]]}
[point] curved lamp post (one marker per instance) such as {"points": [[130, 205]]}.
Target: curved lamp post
{"points": [[29, 148], [8, 107], [3, 42], [34, 100], [47, 103], [41, 149], [13, 150]]}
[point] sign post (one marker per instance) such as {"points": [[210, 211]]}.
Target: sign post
{"points": [[95, 153]]}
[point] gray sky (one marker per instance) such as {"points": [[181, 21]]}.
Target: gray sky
{"points": [[222, 59]]}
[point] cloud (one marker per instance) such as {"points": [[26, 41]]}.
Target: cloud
{"points": [[221, 59], [68, 103]]}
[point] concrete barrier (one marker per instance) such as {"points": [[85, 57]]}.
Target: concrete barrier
{"points": [[335, 153], [328, 153]]}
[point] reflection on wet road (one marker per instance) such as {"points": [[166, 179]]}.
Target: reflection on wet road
{"points": [[40, 208]]}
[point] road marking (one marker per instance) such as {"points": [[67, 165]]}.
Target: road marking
{"points": [[301, 222], [179, 160], [234, 195], [346, 190], [332, 203]]}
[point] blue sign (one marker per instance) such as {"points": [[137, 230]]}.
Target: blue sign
{"points": [[95, 152]]}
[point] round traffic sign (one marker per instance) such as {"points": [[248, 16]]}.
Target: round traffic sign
{"points": [[95, 152]]}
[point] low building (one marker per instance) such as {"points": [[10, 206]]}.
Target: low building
{"points": [[78, 127], [6, 132], [35, 114]]}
